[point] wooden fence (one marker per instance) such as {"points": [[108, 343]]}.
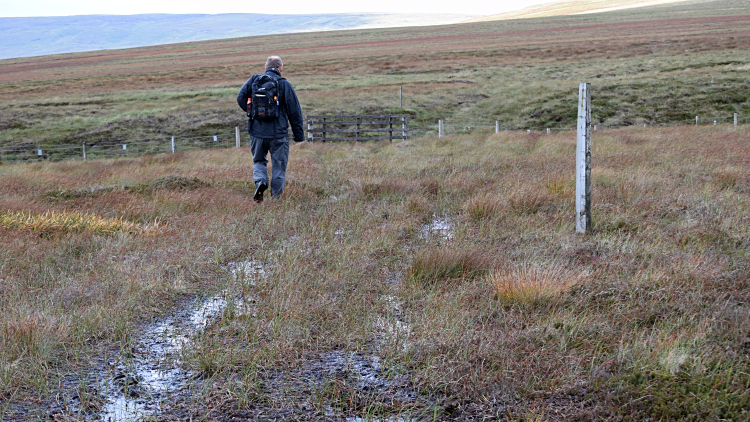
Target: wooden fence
{"points": [[357, 128]]}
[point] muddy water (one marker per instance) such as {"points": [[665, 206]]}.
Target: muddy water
{"points": [[144, 376], [440, 227], [144, 379]]}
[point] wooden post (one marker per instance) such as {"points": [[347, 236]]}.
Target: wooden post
{"points": [[237, 138], [401, 96], [324, 129], [696, 120], [497, 126], [735, 120], [441, 133], [583, 160], [359, 119], [403, 128], [173, 145], [84, 151], [548, 131], [309, 130], [390, 128]]}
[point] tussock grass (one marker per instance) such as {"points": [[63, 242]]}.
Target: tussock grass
{"points": [[481, 207], [432, 266], [530, 284], [63, 222]]}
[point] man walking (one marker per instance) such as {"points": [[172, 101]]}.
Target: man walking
{"points": [[270, 101]]}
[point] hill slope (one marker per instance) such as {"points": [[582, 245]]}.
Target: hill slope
{"points": [[561, 8], [646, 67], [37, 36]]}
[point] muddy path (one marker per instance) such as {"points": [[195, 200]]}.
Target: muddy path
{"points": [[149, 378]]}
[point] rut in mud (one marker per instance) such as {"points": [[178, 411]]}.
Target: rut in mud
{"points": [[141, 379], [150, 379]]}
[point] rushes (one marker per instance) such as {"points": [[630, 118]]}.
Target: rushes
{"points": [[74, 221]]}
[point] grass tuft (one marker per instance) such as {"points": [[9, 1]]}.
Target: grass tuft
{"points": [[65, 222], [532, 284], [446, 263], [530, 201], [479, 208]]}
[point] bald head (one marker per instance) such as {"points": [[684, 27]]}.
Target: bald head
{"points": [[274, 61]]}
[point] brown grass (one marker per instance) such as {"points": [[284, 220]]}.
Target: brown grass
{"points": [[497, 319], [51, 222], [504, 307], [532, 284]]}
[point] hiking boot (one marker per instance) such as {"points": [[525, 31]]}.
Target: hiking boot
{"points": [[258, 197]]}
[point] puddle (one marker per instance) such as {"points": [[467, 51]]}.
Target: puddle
{"points": [[147, 374], [442, 227], [393, 328], [396, 328], [321, 389], [358, 419]]}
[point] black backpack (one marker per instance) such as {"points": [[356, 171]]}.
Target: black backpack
{"points": [[263, 103]]}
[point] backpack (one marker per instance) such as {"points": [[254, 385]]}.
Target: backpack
{"points": [[263, 103]]}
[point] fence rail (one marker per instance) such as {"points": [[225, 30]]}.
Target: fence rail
{"points": [[357, 127]]}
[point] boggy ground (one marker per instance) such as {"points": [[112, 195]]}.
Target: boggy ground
{"points": [[427, 279]]}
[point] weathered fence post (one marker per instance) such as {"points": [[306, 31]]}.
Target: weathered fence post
{"points": [[497, 126], [583, 160], [403, 128], [401, 96], [238, 139], [324, 129], [84, 151], [548, 131], [390, 128], [359, 124], [696, 120], [441, 133], [173, 145], [735, 120]]}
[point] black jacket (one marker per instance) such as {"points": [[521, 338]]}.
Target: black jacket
{"points": [[290, 110]]}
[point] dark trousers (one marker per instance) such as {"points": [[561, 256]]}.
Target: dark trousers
{"points": [[279, 149]]}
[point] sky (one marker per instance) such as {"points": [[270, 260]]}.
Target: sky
{"points": [[18, 8]]}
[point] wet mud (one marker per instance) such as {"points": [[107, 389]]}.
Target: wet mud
{"points": [[440, 228], [148, 379]]}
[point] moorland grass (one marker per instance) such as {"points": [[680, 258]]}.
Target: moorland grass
{"points": [[658, 66], [50, 222], [644, 318]]}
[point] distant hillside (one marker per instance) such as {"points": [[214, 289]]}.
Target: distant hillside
{"points": [[36, 36], [567, 7]]}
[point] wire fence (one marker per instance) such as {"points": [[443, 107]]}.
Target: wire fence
{"points": [[116, 149], [463, 127], [236, 137]]}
